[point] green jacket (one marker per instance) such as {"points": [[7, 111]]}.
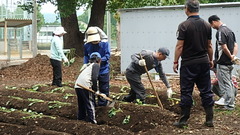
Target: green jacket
{"points": [[57, 49]]}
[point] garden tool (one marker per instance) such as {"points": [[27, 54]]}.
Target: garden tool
{"points": [[112, 102], [156, 94]]}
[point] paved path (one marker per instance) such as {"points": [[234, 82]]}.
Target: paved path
{"points": [[15, 58]]}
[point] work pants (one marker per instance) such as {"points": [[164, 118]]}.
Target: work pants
{"points": [[57, 72], [103, 81], [224, 75], [198, 74], [137, 89], [86, 105]]}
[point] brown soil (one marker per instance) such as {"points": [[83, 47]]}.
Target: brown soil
{"points": [[29, 105]]}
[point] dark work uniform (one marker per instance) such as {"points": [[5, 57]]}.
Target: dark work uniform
{"points": [[134, 72], [195, 67], [86, 99]]}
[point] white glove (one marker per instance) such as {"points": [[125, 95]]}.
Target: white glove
{"points": [[103, 95], [169, 92], [65, 60], [236, 60], [142, 62], [83, 67], [97, 92]]}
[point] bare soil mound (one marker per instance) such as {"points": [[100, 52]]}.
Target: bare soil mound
{"points": [[29, 105]]}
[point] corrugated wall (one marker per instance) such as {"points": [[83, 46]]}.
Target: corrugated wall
{"points": [[151, 28]]}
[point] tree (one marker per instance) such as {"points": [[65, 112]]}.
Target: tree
{"points": [[67, 10]]}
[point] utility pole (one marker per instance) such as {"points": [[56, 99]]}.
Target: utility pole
{"points": [[34, 29], [109, 27]]}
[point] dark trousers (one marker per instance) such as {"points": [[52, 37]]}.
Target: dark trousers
{"points": [[57, 72], [103, 81], [198, 74], [86, 105], [137, 89]]}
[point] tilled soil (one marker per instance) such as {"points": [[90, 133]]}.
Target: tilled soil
{"points": [[29, 105]]}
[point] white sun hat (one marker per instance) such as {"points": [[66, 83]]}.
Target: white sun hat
{"points": [[92, 34], [59, 31]]}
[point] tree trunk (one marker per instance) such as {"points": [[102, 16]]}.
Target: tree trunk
{"points": [[97, 13], [74, 37]]}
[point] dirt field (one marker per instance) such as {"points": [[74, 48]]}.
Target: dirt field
{"points": [[29, 105]]}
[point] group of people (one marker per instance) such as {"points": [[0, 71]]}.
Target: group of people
{"points": [[193, 46]]}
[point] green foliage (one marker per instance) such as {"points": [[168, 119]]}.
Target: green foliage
{"points": [[17, 98], [33, 101], [68, 95], [173, 101], [61, 89], [139, 102], [114, 111], [126, 119], [56, 104], [124, 89], [33, 115], [10, 87]]}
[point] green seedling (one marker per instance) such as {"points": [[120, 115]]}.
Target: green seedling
{"points": [[10, 87], [56, 104], [33, 115], [124, 89], [139, 102], [68, 95], [126, 120], [33, 101], [4, 109], [18, 98], [61, 89], [174, 101], [114, 111]]}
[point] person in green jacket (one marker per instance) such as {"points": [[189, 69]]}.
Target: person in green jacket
{"points": [[57, 55]]}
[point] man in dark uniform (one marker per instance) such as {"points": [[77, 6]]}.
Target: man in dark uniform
{"points": [[195, 48], [151, 60], [225, 52]]}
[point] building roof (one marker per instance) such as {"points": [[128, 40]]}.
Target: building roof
{"points": [[15, 22]]}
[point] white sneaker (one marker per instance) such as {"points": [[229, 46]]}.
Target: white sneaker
{"points": [[221, 101]]}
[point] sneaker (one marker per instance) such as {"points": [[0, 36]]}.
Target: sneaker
{"points": [[228, 108], [221, 101]]}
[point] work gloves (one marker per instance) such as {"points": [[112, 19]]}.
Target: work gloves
{"points": [[142, 62], [236, 60], [83, 67], [98, 93], [169, 92], [66, 62]]}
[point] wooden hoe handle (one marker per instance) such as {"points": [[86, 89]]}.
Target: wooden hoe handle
{"points": [[105, 97], [156, 94]]}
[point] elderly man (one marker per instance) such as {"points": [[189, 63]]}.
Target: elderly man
{"points": [[151, 60], [195, 48]]}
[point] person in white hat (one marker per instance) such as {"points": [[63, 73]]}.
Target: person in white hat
{"points": [[96, 42], [57, 55]]}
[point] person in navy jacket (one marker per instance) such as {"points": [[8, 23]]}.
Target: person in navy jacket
{"points": [[96, 42]]}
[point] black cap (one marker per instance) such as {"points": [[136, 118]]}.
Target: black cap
{"points": [[164, 51]]}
